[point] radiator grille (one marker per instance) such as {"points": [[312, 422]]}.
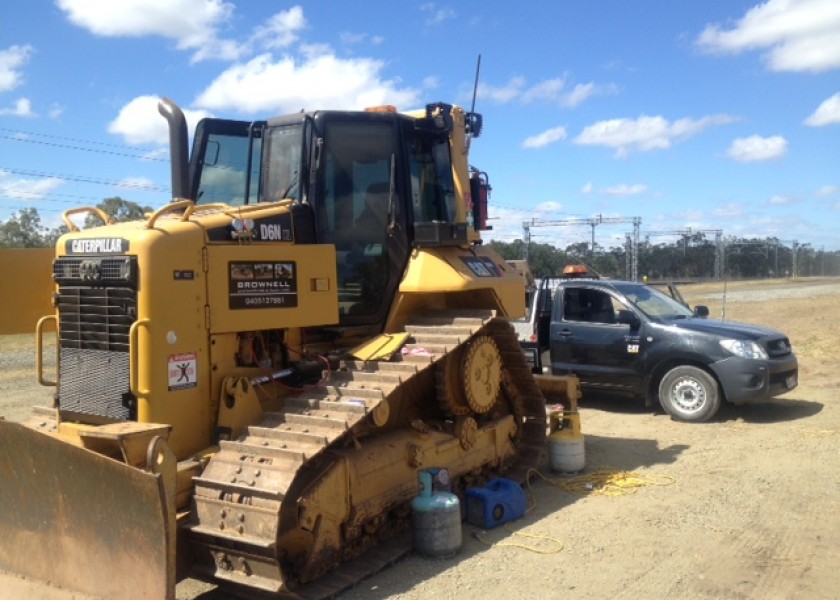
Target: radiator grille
{"points": [[95, 382], [96, 318], [97, 304]]}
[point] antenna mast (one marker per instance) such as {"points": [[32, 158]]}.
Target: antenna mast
{"points": [[472, 108]]}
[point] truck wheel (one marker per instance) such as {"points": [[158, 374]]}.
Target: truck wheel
{"points": [[689, 394]]}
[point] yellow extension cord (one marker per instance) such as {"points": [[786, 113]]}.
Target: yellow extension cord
{"points": [[602, 482]]}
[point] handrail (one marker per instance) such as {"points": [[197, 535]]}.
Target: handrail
{"points": [[133, 337], [84, 209], [187, 205], [39, 350], [234, 211]]}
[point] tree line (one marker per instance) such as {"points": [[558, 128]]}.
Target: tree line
{"points": [[693, 257], [24, 228]]}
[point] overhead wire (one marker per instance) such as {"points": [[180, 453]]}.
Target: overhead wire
{"points": [[21, 132], [71, 144], [144, 156]]}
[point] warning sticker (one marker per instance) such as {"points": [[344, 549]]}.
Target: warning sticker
{"points": [[263, 285], [182, 371]]}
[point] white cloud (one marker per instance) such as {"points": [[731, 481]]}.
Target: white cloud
{"points": [[757, 149], [138, 183], [645, 133], [192, 24], [545, 90], [437, 14], [545, 138], [139, 122], [728, 210], [502, 94], [431, 82], [827, 190], [21, 108], [26, 189], [779, 200], [267, 86], [281, 30], [827, 113], [796, 35], [11, 60], [351, 39], [626, 190], [548, 207], [549, 90], [579, 94], [586, 189]]}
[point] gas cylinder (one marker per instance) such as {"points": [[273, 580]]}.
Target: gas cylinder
{"points": [[565, 442], [436, 520]]}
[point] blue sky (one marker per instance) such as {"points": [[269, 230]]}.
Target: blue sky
{"points": [[700, 115]]}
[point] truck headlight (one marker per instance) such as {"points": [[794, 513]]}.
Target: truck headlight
{"points": [[744, 348]]}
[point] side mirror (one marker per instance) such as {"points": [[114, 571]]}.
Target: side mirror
{"points": [[701, 311], [627, 317]]}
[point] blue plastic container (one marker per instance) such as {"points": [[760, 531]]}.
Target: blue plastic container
{"points": [[500, 501]]}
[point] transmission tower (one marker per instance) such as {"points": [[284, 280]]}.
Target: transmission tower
{"points": [[592, 223]]}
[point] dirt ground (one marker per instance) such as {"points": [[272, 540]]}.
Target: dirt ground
{"points": [[744, 506]]}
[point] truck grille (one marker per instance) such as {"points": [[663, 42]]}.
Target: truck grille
{"points": [[96, 309], [778, 347]]}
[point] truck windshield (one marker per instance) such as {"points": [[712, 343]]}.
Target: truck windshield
{"points": [[652, 302]]}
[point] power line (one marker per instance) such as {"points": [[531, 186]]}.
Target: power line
{"points": [[153, 187], [97, 151], [51, 136]]}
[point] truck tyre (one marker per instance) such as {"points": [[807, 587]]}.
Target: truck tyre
{"points": [[689, 394]]}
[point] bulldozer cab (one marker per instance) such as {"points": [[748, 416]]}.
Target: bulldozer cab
{"points": [[366, 177]]}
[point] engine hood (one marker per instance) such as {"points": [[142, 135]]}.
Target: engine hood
{"points": [[725, 329]]}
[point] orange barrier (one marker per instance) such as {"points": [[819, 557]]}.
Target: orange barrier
{"points": [[26, 288]]}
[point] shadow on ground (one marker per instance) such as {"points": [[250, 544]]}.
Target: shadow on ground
{"points": [[776, 410], [770, 411], [609, 453]]}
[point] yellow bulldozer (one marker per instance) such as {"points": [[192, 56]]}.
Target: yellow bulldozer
{"points": [[250, 378]]}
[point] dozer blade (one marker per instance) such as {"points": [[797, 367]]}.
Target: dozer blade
{"points": [[77, 520]]}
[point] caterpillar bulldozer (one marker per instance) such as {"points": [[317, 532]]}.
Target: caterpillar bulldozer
{"points": [[250, 378]]}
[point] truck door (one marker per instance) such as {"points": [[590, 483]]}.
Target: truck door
{"points": [[587, 340]]}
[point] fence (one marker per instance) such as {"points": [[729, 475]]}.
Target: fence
{"points": [[27, 288]]}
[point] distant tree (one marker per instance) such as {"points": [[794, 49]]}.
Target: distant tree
{"points": [[23, 230], [52, 235], [508, 250], [119, 210]]}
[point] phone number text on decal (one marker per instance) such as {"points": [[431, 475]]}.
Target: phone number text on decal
{"points": [[265, 300]]}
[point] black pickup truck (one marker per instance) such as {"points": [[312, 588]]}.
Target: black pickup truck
{"points": [[633, 339]]}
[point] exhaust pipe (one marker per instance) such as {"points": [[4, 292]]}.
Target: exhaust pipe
{"points": [[178, 154]]}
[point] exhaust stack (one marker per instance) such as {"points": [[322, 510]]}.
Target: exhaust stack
{"points": [[178, 155]]}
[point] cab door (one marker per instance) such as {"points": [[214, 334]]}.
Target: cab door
{"points": [[587, 340], [359, 209]]}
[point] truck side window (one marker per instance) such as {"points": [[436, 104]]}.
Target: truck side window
{"points": [[588, 306], [599, 308], [572, 309]]}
